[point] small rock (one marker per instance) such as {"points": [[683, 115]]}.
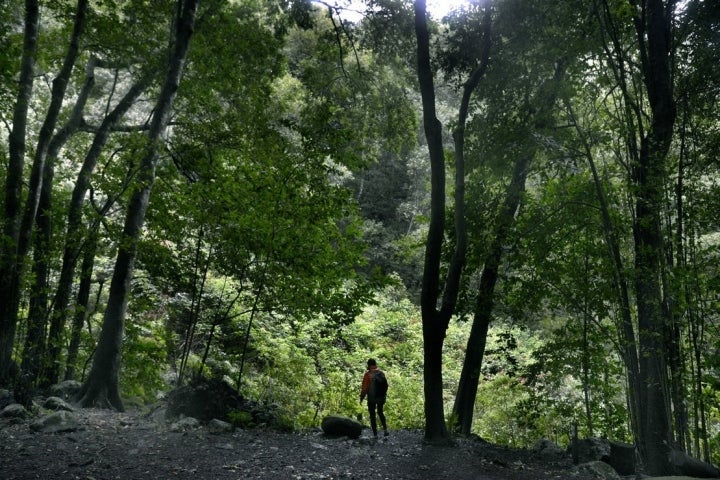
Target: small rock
{"points": [[14, 410], [549, 449], [6, 398], [60, 421], [57, 403], [218, 426], [159, 415], [225, 446], [184, 424], [600, 470]]}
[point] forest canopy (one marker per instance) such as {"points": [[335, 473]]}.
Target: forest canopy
{"points": [[512, 205]]}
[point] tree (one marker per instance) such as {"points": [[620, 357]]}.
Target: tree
{"points": [[436, 320], [101, 386], [77, 237], [9, 281], [648, 141]]}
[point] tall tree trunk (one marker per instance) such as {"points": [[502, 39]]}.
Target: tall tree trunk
{"points": [[32, 356], [38, 174], [649, 178], [22, 237], [673, 279], [75, 231], [470, 375], [59, 87], [460, 410], [35, 346], [9, 286], [435, 321], [652, 21], [102, 384], [82, 302], [628, 344]]}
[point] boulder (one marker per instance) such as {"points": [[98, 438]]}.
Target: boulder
{"points": [[218, 426], [622, 457], [591, 449], [60, 421], [340, 426], [204, 399], [14, 410], [57, 403], [692, 467], [66, 390], [598, 469]]}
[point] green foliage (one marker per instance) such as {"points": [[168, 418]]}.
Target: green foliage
{"points": [[143, 366], [144, 356], [310, 371], [241, 418], [290, 205], [496, 410]]}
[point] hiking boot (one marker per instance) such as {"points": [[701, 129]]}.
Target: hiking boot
{"points": [[387, 433]]}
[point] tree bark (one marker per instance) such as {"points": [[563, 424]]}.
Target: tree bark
{"points": [[654, 34], [435, 321], [35, 346], [102, 385], [75, 231], [38, 174], [22, 238], [485, 300], [82, 302], [470, 375], [32, 356], [9, 288], [626, 328]]}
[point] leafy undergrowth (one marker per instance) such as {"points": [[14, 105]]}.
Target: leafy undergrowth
{"points": [[111, 445]]}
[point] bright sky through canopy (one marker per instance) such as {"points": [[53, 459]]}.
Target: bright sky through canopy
{"points": [[436, 8], [440, 8]]}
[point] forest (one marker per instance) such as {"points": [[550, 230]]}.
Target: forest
{"points": [[514, 207]]}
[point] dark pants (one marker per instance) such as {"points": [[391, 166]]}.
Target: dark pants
{"points": [[372, 406]]}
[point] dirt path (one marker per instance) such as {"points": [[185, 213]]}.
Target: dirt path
{"points": [[110, 445]]}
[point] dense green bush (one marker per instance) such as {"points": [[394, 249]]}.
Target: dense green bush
{"points": [[307, 369]]}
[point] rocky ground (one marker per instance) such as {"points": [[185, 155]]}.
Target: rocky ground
{"points": [[110, 445]]}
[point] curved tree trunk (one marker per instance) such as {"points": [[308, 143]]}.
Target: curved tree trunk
{"points": [[470, 375], [75, 231], [434, 321], [35, 347], [23, 237], [102, 385], [9, 287]]}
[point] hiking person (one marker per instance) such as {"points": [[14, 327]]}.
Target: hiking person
{"points": [[374, 386]]}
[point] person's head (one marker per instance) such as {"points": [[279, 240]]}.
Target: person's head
{"points": [[371, 363]]}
